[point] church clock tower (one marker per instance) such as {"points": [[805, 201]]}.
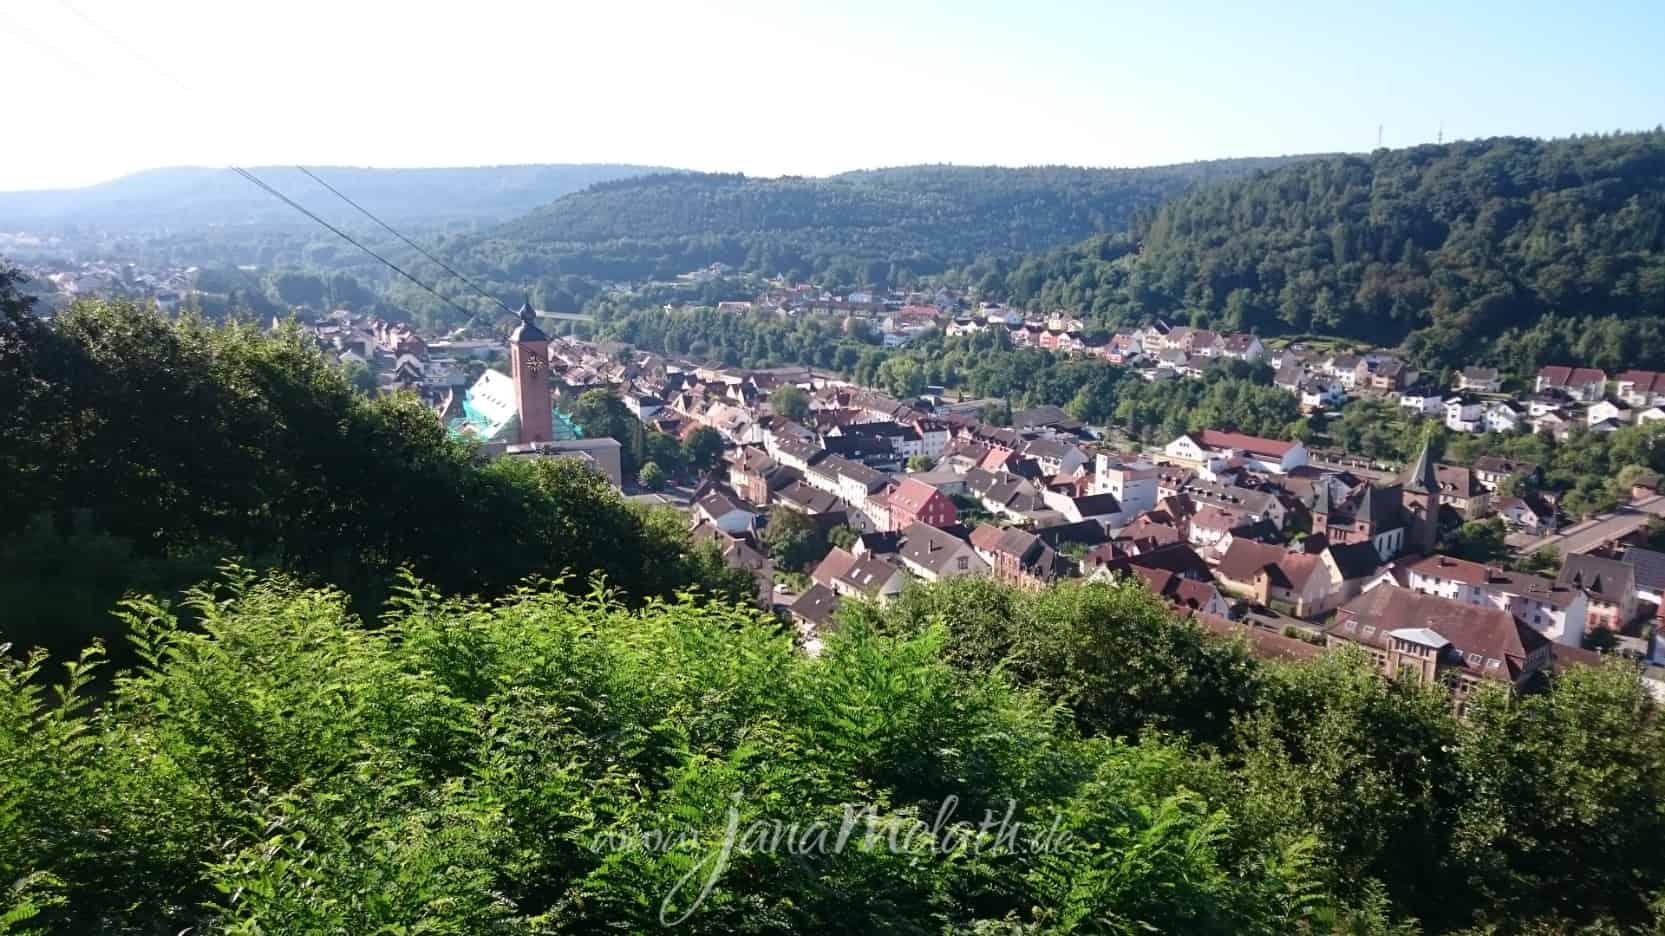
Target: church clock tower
{"points": [[1421, 493], [529, 359]]}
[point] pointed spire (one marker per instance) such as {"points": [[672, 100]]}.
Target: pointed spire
{"points": [[528, 330], [1420, 478]]}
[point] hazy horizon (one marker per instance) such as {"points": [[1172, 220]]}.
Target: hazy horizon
{"points": [[756, 87]]}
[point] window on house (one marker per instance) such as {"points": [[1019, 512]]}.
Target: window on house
{"points": [[1369, 629], [1474, 659], [1352, 625], [1492, 664], [965, 563]]}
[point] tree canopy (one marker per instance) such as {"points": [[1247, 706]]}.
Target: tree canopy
{"points": [[1508, 251], [139, 450]]}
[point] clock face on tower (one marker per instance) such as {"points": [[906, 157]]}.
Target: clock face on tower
{"points": [[534, 363]]}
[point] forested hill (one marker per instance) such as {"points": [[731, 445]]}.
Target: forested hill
{"points": [[189, 197], [1521, 250], [855, 228]]}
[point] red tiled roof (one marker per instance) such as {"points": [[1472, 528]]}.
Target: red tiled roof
{"points": [[834, 566], [1262, 643], [986, 536], [1645, 381], [1245, 559], [1450, 567], [912, 494], [1215, 438], [1556, 375], [1487, 632]]}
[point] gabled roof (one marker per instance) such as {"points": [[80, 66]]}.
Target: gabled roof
{"points": [[1644, 381], [1254, 445], [1355, 560], [1097, 505], [1245, 559], [1604, 579], [931, 548], [1649, 567], [816, 605], [913, 494], [1495, 464], [1457, 481], [1556, 375], [1486, 632], [717, 503], [1262, 642], [838, 561], [808, 499]]}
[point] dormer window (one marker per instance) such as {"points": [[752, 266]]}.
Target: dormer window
{"points": [[1352, 625], [1369, 629], [1474, 659], [1492, 664]]}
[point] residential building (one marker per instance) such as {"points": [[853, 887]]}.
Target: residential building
{"points": [[913, 501], [808, 500], [1423, 403], [1642, 389], [1186, 595], [1132, 485], [1431, 640], [1559, 612], [934, 554], [1464, 414], [1501, 416], [1391, 376], [1243, 346], [1528, 514], [725, 512], [1610, 585], [1213, 449], [1493, 470], [814, 611], [1479, 380], [873, 577], [1586, 384], [1265, 573], [1605, 410], [1018, 557], [1077, 508], [1649, 566], [1055, 455], [1462, 491]]}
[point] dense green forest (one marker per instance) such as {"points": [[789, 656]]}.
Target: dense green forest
{"points": [[558, 763], [859, 228], [1514, 252], [139, 451]]}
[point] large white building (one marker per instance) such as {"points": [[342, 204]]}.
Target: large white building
{"points": [[1557, 611], [1212, 450]]}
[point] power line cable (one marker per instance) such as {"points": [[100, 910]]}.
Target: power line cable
{"points": [[122, 44], [348, 238], [117, 41], [412, 244]]}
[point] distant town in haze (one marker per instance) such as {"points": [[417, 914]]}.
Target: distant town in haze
{"points": [[1270, 544]]}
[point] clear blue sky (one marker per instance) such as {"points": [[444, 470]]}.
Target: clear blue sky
{"points": [[777, 86]]}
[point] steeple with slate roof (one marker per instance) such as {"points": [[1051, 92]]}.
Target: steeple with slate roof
{"points": [[1420, 478]]}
